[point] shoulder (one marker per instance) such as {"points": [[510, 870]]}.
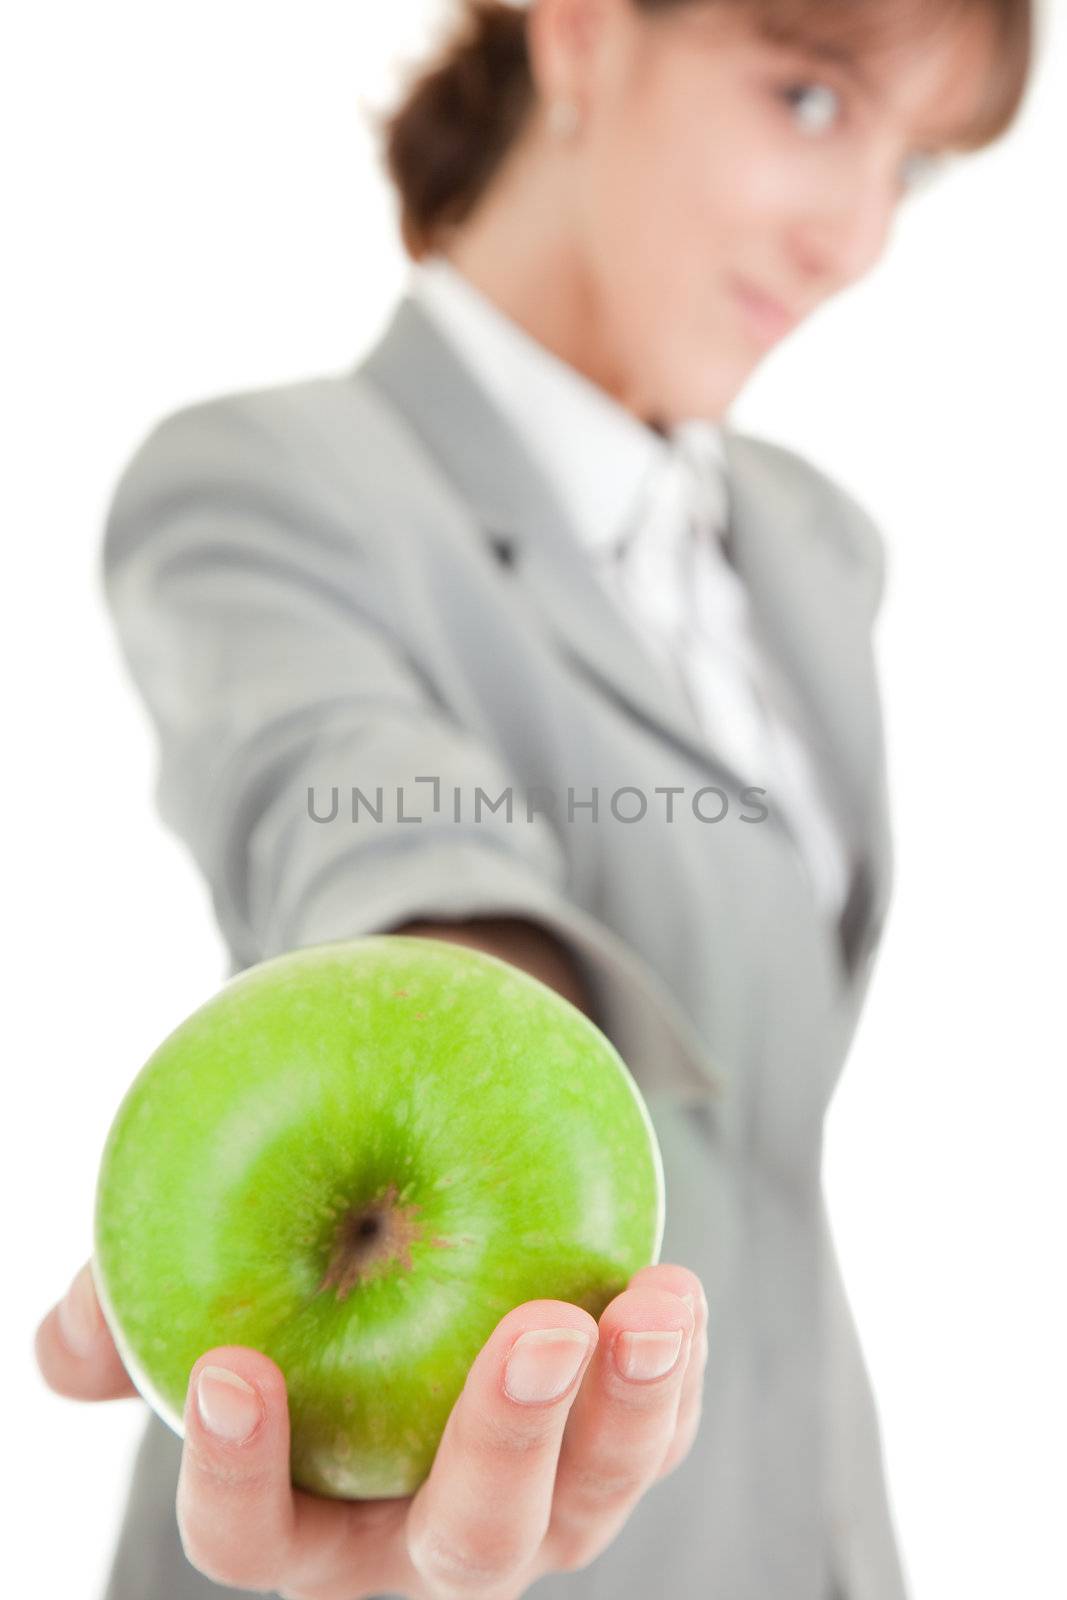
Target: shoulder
{"points": [[795, 488], [312, 429], [322, 453]]}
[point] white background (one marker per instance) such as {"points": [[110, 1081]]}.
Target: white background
{"points": [[194, 205]]}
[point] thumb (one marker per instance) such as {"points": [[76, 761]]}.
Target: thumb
{"points": [[75, 1350]]}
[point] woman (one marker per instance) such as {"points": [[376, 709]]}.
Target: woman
{"points": [[520, 552]]}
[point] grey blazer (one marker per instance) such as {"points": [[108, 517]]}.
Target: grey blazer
{"points": [[362, 582]]}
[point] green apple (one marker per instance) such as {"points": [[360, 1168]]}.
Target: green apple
{"points": [[356, 1158]]}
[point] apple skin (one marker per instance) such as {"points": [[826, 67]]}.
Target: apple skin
{"points": [[356, 1158]]}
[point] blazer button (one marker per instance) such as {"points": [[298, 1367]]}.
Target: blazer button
{"points": [[503, 549]]}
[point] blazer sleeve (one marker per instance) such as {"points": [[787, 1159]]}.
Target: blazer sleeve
{"points": [[254, 615]]}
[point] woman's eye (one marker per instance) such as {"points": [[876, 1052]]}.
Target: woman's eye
{"points": [[816, 104]]}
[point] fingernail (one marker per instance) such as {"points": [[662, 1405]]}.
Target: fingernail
{"points": [[647, 1355], [544, 1362], [78, 1318], [229, 1407]]}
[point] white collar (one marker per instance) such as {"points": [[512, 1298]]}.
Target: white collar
{"points": [[597, 455]]}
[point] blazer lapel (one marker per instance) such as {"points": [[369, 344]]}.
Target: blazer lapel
{"points": [[801, 588], [808, 623], [522, 520]]}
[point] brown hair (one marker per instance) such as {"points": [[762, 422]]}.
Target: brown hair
{"points": [[465, 106]]}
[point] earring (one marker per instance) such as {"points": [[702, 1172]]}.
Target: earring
{"points": [[563, 118]]}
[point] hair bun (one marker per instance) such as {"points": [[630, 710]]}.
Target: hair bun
{"points": [[457, 119]]}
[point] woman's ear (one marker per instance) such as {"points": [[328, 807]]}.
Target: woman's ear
{"points": [[563, 38]]}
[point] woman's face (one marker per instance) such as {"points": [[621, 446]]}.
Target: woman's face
{"points": [[711, 162]]}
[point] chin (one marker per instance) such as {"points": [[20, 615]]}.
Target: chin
{"points": [[677, 382], [710, 401], [690, 386]]}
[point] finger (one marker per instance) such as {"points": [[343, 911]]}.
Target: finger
{"points": [[623, 1421], [75, 1350], [480, 1517], [235, 1501], [681, 1281], [691, 1404], [241, 1521]]}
